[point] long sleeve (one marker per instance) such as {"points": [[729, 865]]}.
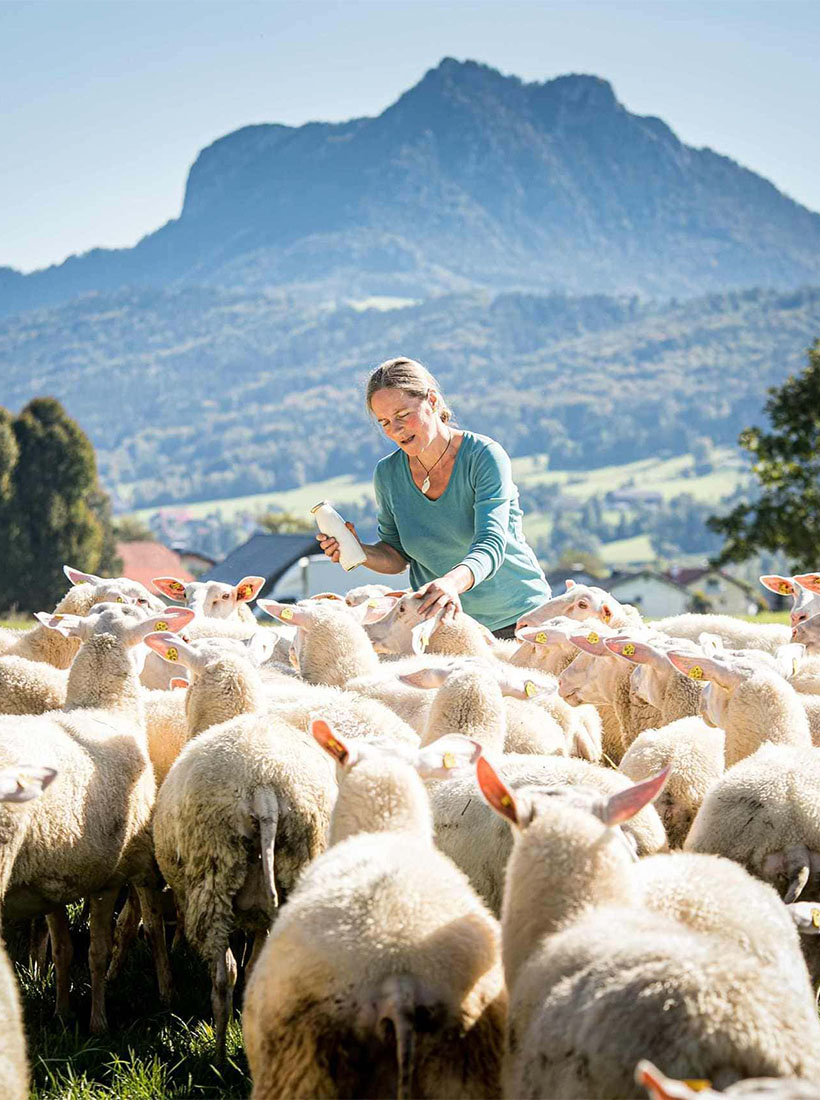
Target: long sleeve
{"points": [[494, 491]]}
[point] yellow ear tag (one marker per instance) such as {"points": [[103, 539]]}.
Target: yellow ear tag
{"points": [[593, 637], [506, 800], [695, 672], [795, 664], [629, 650], [244, 592], [334, 745], [541, 638], [424, 640], [57, 618], [120, 599], [372, 603], [815, 918], [161, 626], [606, 615], [171, 653], [286, 613], [448, 760], [530, 689], [697, 1084], [785, 588], [175, 586]]}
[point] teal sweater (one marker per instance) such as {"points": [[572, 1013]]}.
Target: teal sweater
{"points": [[475, 522]]}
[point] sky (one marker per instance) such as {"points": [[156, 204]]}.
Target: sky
{"points": [[105, 105]]}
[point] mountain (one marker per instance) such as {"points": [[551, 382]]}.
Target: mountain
{"points": [[471, 180], [198, 393]]}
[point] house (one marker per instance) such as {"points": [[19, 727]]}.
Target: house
{"points": [[145, 559], [655, 595], [292, 569], [714, 590]]}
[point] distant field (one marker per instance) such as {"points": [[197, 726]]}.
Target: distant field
{"points": [[668, 477]]}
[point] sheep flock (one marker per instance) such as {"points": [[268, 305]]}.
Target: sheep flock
{"points": [[583, 863]]}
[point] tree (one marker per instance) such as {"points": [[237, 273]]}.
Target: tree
{"points": [[58, 512], [286, 523], [132, 529], [786, 515]]}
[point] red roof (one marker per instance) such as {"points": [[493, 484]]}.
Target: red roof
{"points": [[142, 561]]}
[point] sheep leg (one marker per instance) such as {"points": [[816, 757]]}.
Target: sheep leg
{"points": [[62, 951], [154, 924], [38, 943], [222, 982], [125, 933], [179, 930], [101, 916], [259, 941]]}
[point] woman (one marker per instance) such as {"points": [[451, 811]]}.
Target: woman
{"points": [[448, 506]]}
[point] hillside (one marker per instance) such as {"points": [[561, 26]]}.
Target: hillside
{"points": [[472, 179], [199, 394]]}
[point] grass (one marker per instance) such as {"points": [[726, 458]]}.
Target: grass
{"points": [[150, 1053]]}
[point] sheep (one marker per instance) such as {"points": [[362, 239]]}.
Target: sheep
{"points": [[661, 1087], [656, 680], [695, 753], [213, 599], [748, 701], [736, 633], [399, 631], [479, 843], [243, 808], [803, 591], [580, 602], [687, 998], [44, 645], [365, 592], [764, 813], [382, 975], [92, 833], [30, 687]]}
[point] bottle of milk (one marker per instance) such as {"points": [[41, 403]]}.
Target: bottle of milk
{"points": [[331, 523]]}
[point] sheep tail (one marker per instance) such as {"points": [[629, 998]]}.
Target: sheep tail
{"points": [[397, 1004], [266, 809], [798, 869]]}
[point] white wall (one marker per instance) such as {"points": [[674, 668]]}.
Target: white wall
{"points": [[323, 575], [651, 596]]}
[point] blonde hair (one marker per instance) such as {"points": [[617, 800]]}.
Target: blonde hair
{"points": [[411, 378]]}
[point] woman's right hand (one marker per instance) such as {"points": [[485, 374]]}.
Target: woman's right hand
{"points": [[330, 546]]}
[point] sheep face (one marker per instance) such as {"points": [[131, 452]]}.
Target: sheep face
{"points": [[579, 602]]}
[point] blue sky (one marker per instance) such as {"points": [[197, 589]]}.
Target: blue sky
{"points": [[104, 105]]}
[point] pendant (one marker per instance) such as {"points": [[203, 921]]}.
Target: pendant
{"points": [[425, 485]]}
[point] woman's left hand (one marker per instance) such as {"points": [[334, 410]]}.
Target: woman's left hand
{"points": [[437, 595]]}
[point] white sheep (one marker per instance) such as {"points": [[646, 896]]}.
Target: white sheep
{"points": [[479, 843], [580, 951], [748, 701], [381, 976], [764, 813], [661, 1087], [16, 785], [213, 599], [581, 602], [735, 633], [803, 589], [92, 833], [30, 687]]}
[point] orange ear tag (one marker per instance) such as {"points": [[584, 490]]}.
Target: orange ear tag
{"points": [[697, 1084], [161, 626], [448, 760], [171, 653], [530, 689], [629, 650], [696, 672], [541, 638], [593, 638], [286, 613]]}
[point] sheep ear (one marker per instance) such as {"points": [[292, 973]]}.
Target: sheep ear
{"points": [[783, 586], [260, 646], [76, 576], [170, 587], [431, 677], [374, 610], [789, 658], [606, 613], [172, 619], [178, 682], [326, 596], [544, 635], [24, 783], [450, 757], [661, 1087], [70, 626], [495, 791], [811, 581], [701, 667], [516, 685], [289, 613], [638, 652], [806, 917], [173, 649], [248, 588], [591, 643], [341, 752], [711, 643], [570, 583], [422, 632], [625, 804]]}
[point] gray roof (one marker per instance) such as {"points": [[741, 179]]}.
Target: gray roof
{"points": [[265, 556]]}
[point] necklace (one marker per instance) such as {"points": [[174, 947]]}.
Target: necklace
{"points": [[425, 485]]}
